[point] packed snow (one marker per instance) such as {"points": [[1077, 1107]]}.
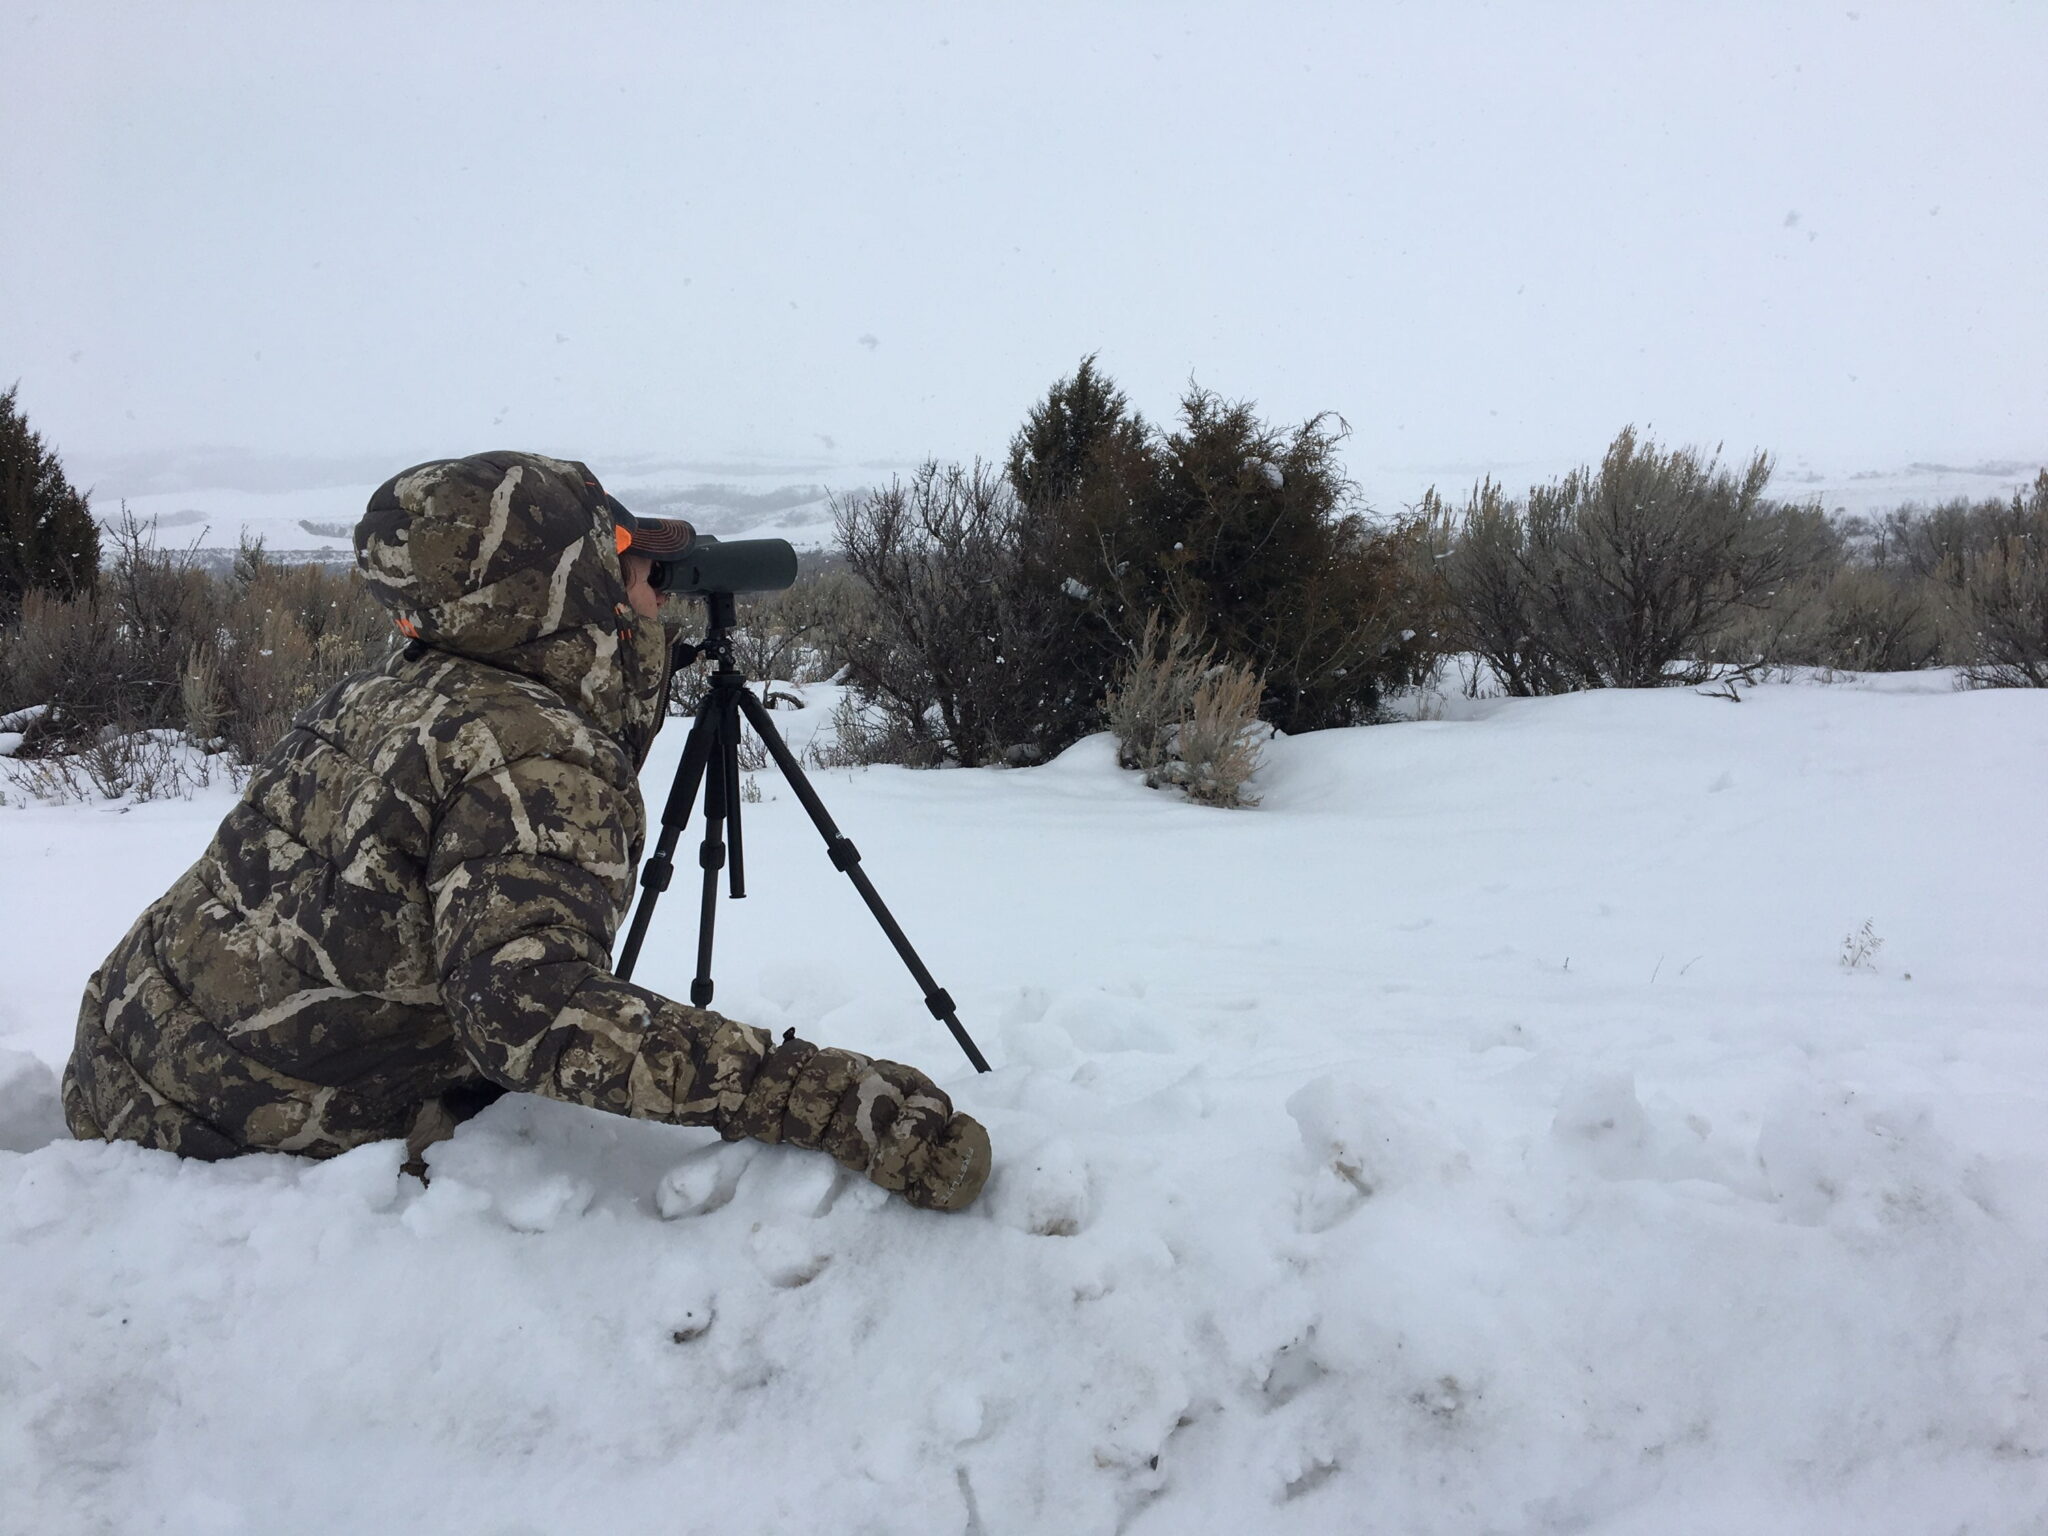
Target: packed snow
{"points": [[1620, 1113]]}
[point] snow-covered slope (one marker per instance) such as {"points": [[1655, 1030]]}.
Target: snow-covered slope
{"points": [[213, 501], [311, 508], [1484, 1135]]}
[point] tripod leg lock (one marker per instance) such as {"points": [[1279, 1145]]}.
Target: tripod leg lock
{"points": [[842, 852], [654, 874], [941, 1004], [711, 856]]}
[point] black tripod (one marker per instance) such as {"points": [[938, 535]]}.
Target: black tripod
{"points": [[711, 757]]}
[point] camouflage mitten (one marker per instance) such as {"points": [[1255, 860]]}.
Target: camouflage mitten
{"points": [[880, 1118], [946, 1171]]}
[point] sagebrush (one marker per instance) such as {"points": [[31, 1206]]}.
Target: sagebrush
{"points": [[1628, 575], [162, 643]]}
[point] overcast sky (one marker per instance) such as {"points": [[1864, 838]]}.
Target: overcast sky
{"points": [[1482, 233]]}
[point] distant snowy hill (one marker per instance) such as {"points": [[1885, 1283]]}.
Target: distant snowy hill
{"points": [[212, 501], [310, 506], [1620, 1113]]}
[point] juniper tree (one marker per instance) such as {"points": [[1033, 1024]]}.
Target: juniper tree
{"points": [[1066, 435], [1081, 448], [48, 541], [1252, 534]]}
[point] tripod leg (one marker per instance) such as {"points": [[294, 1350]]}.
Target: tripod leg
{"points": [[846, 858], [659, 868], [711, 857], [729, 729]]}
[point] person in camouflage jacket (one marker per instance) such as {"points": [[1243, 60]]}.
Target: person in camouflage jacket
{"points": [[411, 908]]}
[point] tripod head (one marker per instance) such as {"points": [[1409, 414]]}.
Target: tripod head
{"points": [[721, 614]]}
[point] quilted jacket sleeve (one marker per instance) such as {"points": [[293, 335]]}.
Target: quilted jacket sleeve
{"points": [[528, 872]]}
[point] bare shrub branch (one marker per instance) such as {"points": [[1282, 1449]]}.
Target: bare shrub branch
{"points": [[957, 644], [137, 765]]}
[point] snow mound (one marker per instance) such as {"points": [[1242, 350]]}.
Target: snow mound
{"points": [[31, 1112]]}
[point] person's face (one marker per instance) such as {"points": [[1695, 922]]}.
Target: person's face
{"points": [[639, 591]]}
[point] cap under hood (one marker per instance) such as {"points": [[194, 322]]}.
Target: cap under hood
{"points": [[511, 558]]}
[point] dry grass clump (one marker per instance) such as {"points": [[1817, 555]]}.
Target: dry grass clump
{"points": [[1180, 717]]}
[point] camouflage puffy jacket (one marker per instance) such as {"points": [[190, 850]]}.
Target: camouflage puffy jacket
{"points": [[411, 908]]}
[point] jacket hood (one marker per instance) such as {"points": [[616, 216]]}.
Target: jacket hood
{"points": [[511, 559]]}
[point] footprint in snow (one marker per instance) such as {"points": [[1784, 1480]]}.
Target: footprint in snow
{"points": [[787, 1256], [1361, 1142], [704, 1181]]}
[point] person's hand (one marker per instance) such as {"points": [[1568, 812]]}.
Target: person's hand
{"points": [[946, 1172], [880, 1118]]}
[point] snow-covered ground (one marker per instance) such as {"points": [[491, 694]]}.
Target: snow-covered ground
{"points": [[1489, 1133]]}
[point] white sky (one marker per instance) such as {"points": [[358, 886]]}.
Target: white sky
{"points": [[1482, 233]]}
